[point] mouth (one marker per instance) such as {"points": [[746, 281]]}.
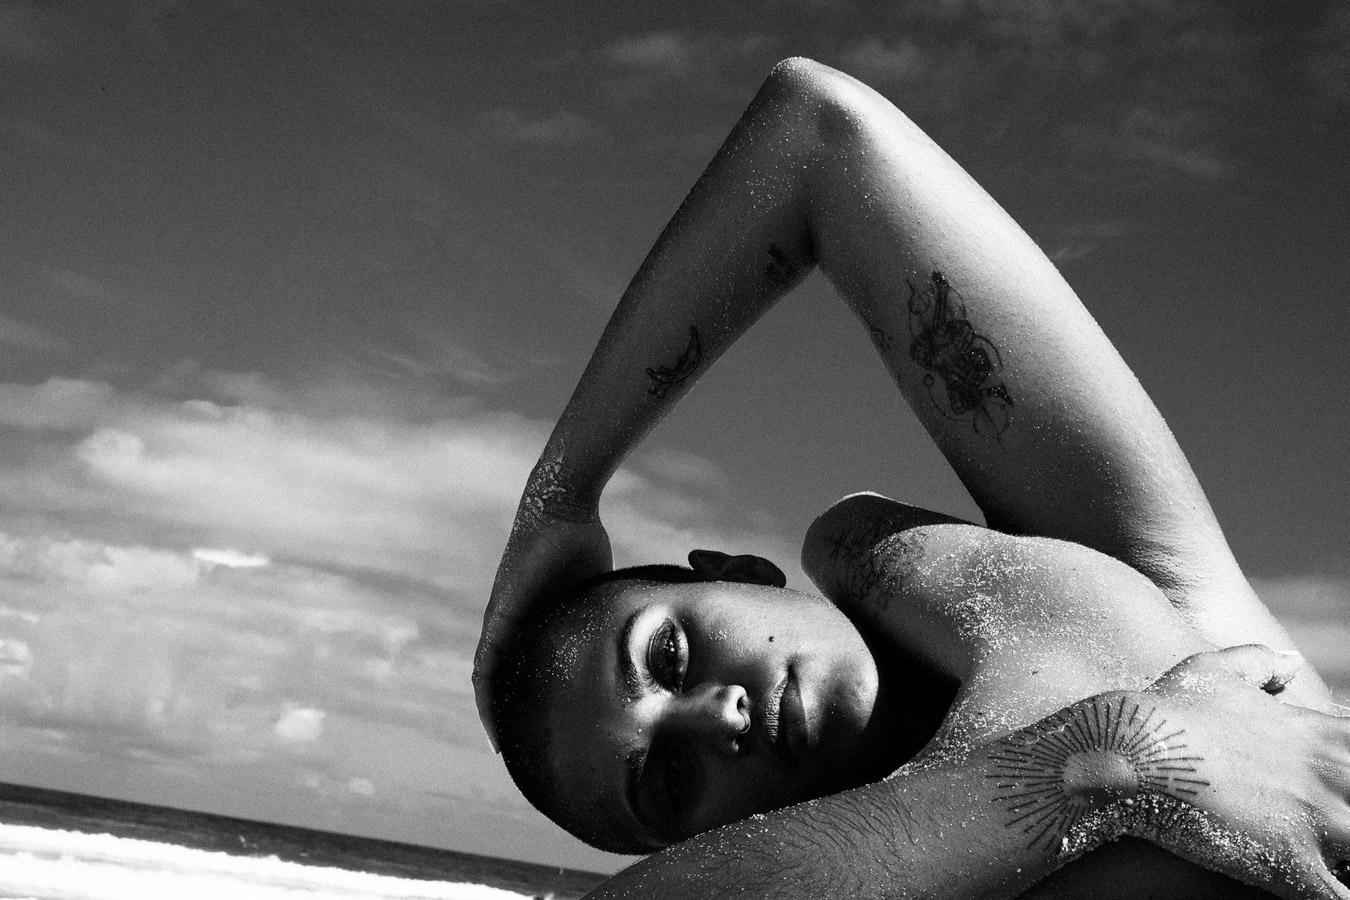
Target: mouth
{"points": [[785, 720]]}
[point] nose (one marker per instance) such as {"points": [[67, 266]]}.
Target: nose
{"points": [[715, 716]]}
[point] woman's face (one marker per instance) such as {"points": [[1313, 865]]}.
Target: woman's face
{"points": [[682, 707]]}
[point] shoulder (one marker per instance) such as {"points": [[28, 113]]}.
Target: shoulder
{"points": [[941, 587], [897, 542], [851, 542]]}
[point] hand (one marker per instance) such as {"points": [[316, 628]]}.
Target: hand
{"points": [[1268, 799], [545, 552]]}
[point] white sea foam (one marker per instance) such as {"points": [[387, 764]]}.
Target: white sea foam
{"points": [[68, 865]]}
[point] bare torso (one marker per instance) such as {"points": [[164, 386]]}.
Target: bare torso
{"points": [[1027, 626]]}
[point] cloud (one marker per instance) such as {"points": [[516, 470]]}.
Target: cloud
{"points": [[229, 574], [1171, 140], [57, 403], [436, 356], [337, 485], [299, 725], [645, 60], [662, 52], [560, 127], [325, 479], [1184, 77], [16, 658], [361, 787], [137, 650], [683, 468], [87, 289], [1075, 241], [230, 558], [22, 336], [276, 587]]}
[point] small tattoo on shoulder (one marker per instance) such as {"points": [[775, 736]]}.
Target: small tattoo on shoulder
{"points": [[665, 378], [875, 560], [962, 364], [1052, 775]]}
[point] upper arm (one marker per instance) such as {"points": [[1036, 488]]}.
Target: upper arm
{"points": [[947, 592], [1027, 398], [838, 552], [1032, 405], [870, 556]]}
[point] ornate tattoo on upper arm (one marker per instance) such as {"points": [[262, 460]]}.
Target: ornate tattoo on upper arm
{"points": [[944, 342], [664, 378], [1065, 767]]}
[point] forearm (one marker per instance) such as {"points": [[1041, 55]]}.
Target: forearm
{"points": [[736, 245], [1267, 803], [930, 833], [987, 823]]}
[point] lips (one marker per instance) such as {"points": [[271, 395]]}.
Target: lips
{"points": [[785, 720]]}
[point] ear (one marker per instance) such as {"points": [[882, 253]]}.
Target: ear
{"points": [[713, 565]]}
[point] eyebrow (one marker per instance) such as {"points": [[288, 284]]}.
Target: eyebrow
{"points": [[629, 678]]}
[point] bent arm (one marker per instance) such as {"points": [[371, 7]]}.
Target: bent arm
{"points": [[925, 832], [1267, 806], [1032, 405]]}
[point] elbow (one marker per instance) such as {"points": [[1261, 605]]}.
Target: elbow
{"points": [[838, 107], [800, 69], [807, 80]]}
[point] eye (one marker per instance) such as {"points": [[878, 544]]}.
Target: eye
{"points": [[667, 657]]}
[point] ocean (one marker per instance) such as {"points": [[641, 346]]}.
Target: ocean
{"points": [[62, 846]]}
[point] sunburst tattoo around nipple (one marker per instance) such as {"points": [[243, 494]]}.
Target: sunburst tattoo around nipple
{"points": [[1051, 775]]}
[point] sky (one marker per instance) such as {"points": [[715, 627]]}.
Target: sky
{"points": [[290, 295]]}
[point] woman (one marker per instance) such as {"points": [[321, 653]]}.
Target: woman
{"points": [[1054, 438]]}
